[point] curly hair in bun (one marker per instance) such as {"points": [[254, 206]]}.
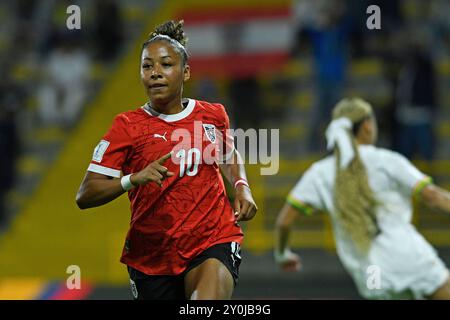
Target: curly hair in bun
{"points": [[173, 33]]}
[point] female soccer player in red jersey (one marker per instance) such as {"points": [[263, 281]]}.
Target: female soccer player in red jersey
{"points": [[184, 238]]}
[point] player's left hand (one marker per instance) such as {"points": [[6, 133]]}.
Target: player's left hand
{"points": [[244, 206]]}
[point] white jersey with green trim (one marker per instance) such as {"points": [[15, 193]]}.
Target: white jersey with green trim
{"points": [[405, 262]]}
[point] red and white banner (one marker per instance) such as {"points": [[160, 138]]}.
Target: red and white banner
{"points": [[237, 42]]}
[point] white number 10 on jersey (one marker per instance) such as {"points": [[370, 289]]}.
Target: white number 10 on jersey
{"points": [[189, 163]]}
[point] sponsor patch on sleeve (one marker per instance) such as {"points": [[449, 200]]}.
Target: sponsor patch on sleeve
{"points": [[100, 150]]}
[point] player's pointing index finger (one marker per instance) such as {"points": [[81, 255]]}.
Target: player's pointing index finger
{"points": [[165, 157]]}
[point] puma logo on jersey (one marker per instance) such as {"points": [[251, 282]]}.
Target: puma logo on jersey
{"points": [[160, 136]]}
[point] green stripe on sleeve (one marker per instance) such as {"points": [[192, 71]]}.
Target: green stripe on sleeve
{"points": [[421, 184], [299, 205]]}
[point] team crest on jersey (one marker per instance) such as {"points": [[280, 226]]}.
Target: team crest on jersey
{"points": [[210, 131]]}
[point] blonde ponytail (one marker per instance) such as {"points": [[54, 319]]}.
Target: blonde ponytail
{"points": [[354, 200]]}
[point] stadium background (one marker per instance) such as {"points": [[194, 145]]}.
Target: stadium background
{"points": [[269, 72]]}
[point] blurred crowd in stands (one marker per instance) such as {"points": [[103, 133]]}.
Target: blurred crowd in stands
{"points": [[407, 45], [47, 69]]}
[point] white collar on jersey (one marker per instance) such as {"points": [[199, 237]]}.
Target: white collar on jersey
{"points": [[171, 117]]}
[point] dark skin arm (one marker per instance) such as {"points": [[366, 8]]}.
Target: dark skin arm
{"points": [[244, 205], [97, 189]]}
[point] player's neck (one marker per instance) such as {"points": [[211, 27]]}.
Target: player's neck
{"points": [[363, 139], [172, 107], [363, 142]]}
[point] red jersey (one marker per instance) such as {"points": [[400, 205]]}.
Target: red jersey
{"points": [[172, 224]]}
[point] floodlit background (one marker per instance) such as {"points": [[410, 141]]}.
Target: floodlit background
{"points": [[274, 64]]}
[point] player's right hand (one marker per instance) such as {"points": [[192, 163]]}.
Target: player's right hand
{"points": [[289, 261], [154, 172]]}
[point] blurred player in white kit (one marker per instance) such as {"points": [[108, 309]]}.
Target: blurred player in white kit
{"points": [[368, 192]]}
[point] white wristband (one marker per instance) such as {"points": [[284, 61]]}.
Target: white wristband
{"points": [[126, 182], [241, 181]]}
